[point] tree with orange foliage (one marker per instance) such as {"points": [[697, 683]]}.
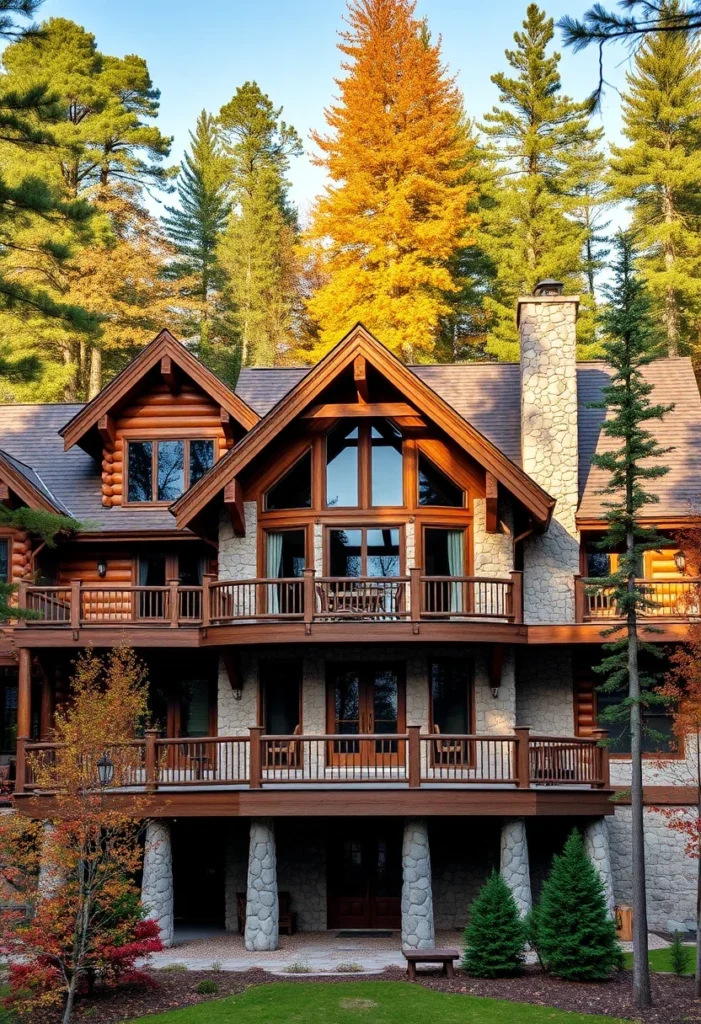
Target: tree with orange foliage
{"points": [[386, 230], [76, 873]]}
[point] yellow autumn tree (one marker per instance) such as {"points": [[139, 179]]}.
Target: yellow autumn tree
{"points": [[385, 232]]}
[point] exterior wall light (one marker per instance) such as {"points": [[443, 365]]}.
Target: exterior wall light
{"points": [[238, 693], [102, 568], [105, 770], [680, 561], [495, 692]]}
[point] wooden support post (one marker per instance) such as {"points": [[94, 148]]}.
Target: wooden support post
{"points": [[415, 596], [517, 596], [414, 755], [22, 600], [21, 766], [174, 596], [151, 760], [491, 502], [75, 604], [233, 503], [579, 598], [309, 598], [207, 580], [601, 736], [523, 756], [24, 694], [254, 770]]}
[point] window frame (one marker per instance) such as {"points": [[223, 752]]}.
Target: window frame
{"points": [[444, 509], [154, 442], [463, 525], [307, 453], [364, 428], [470, 690], [364, 527], [679, 754], [6, 539]]}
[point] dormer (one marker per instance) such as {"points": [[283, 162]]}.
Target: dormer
{"points": [[159, 426]]}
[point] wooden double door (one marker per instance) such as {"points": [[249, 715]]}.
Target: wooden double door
{"points": [[365, 875], [366, 699]]}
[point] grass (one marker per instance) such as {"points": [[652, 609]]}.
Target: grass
{"points": [[363, 1002], [660, 961]]}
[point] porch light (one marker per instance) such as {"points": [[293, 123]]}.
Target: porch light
{"points": [[495, 692], [105, 770], [238, 693], [102, 568], [680, 561]]}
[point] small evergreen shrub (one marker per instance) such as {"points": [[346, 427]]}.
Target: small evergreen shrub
{"points": [[494, 938], [576, 939], [679, 956], [206, 987]]}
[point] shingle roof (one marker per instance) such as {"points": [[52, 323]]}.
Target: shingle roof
{"points": [[34, 480], [485, 394]]}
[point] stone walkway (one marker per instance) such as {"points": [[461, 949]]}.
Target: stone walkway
{"points": [[304, 953]]}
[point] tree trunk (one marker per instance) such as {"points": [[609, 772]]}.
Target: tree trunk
{"points": [[70, 999], [671, 303], [641, 967], [95, 380]]}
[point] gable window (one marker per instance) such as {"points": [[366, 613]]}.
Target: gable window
{"points": [[160, 471], [435, 488], [294, 488], [364, 466], [4, 561], [386, 465], [342, 467]]}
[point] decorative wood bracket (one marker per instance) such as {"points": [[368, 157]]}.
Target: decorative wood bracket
{"points": [[168, 374], [4, 492], [361, 379], [105, 427], [233, 503], [491, 493], [234, 672], [227, 424]]}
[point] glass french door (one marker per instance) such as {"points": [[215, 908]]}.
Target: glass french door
{"points": [[366, 700]]}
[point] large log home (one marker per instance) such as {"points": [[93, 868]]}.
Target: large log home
{"points": [[358, 591]]}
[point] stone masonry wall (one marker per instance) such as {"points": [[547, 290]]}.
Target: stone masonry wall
{"points": [[238, 556], [549, 452], [544, 690], [493, 552]]}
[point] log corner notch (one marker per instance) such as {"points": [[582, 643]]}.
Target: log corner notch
{"points": [[233, 503], [168, 374], [491, 488]]}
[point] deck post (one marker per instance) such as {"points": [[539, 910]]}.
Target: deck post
{"points": [[157, 883], [262, 903], [309, 597], [517, 596], [75, 604], [254, 769], [22, 600], [24, 693], [174, 595], [414, 755], [418, 930], [415, 593], [208, 578], [150, 759], [523, 756], [601, 736], [514, 865]]}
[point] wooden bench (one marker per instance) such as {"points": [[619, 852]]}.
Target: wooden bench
{"points": [[430, 956]]}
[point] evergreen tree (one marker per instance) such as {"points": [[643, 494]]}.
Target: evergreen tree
{"points": [[388, 232], [576, 938], [196, 226], [255, 251], [631, 342], [659, 173], [494, 938], [545, 157], [47, 527]]}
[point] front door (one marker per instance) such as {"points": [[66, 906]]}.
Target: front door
{"points": [[365, 876], [366, 700]]}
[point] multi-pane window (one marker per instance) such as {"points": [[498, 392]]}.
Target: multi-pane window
{"points": [[160, 471], [364, 466], [4, 561], [658, 736], [364, 552]]}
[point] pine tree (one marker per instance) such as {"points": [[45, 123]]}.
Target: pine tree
{"points": [[195, 228], [659, 173], [47, 527], [545, 156], [386, 232], [576, 938], [494, 938], [255, 251], [631, 342]]}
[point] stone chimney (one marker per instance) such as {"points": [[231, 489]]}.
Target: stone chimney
{"points": [[549, 448]]}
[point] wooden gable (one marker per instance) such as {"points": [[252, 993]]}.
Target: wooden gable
{"points": [[361, 378]]}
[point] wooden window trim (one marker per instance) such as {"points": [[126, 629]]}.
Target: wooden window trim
{"points": [[446, 472], [679, 755], [471, 711], [364, 668], [364, 473], [364, 526], [441, 523], [154, 441], [271, 526], [283, 473]]}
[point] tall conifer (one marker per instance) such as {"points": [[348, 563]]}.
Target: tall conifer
{"points": [[386, 231], [545, 154], [659, 173]]}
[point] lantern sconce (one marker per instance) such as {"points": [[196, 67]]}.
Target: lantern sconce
{"points": [[105, 770], [102, 568], [680, 562]]}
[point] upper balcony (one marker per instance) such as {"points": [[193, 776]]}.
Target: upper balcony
{"points": [[671, 600], [302, 604]]}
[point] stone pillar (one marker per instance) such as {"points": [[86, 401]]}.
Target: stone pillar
{"points": [[549, 449], [514, 862], [417, 892], [596, 843], [262, 907], [157, 883]]}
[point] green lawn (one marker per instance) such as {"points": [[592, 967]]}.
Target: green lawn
{"points": [[358, 1002], [659, 960]]}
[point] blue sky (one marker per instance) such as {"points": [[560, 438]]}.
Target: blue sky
{"points": [[289, 48]]}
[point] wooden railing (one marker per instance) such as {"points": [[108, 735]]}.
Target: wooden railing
{"points": [[668, 599], [410, 759], [309, 598]]}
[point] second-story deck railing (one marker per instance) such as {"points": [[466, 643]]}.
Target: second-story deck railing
{"points": [[668, 599], [309, 598], [413, 759]]}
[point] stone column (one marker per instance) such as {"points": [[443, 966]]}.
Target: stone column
{"points": [[262, 907], [514, 862], [157, 883], [596, 843], [417, 892]]}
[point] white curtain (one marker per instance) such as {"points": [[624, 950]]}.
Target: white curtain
{"points": [[274, 570], [455, 566]]}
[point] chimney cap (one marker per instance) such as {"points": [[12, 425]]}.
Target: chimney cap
{"points": [[549, 287]]}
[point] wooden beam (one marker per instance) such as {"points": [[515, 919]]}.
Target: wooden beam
{"points": [[168, 374], [226, 422], [105, 427], [232, 664], [384, 410], [495, 666], [233, 503], [491, 493], [4, 492], [361, 380]]}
